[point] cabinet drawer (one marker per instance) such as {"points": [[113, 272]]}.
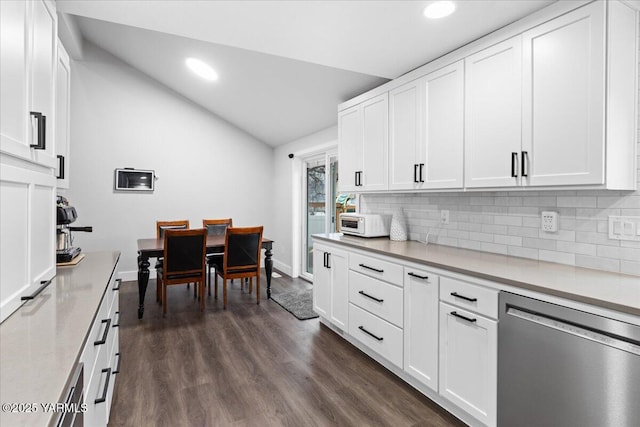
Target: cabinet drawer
{"points": [[377, 334], [377, 268], [377, 297], [469, 296], [101, 328]]}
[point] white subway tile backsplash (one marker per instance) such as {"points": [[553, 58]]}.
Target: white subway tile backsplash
{"points": [[494, 229], [508, 240], [630, 267], [539, 243], [481, 237], [577, 201], [508, 220], [494, 248], [522, 252], [598, 263], [560, 257], [577, 248]]}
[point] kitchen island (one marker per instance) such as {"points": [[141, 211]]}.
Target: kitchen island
{"points": [[43, 341]]}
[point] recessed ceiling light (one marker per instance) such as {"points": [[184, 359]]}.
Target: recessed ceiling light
{"points": [[439, 9], [202, 69]]}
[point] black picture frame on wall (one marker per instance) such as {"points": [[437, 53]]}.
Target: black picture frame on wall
{"points": [[130, 179]]}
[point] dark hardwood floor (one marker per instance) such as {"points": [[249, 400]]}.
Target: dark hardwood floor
{"points": [[250, 365]]}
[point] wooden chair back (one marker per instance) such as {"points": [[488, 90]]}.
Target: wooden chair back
{"points": [[242, 251], [217, 227], [184, 254], [161, 226]]}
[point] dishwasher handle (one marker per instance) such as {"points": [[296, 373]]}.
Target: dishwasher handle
{"points": [[600, 337]]}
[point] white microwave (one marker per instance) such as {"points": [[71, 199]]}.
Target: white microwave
{"points": [[365, 225]]}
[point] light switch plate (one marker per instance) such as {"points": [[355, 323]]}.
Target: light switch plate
{"points": [[624, 228], [549, 221]]}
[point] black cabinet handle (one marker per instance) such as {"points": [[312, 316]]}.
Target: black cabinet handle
{"points": [[117, 371], [42, 130], [355, 175], [459, 316], [457, 295], [514, 165], [415, 172], [106, 332], [525, 156], [116, 323], [412, 274], [363, 293], [103, 398], [324, 259], [370, 334], [371, 268], [118, 282], [328, 260], [421, 171], [43, 284], [61, 166]]}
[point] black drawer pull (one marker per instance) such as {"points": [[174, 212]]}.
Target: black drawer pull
{"points": [[118, 283], [116, 323], [106, 332], [369, 333], [457, 295], [117, 371], [468, 319], [525, 156], [43, 284], [421, 171], [412, 274], [103, 398], [369, 296], [514, 165], [371, 268], [415, 172]]}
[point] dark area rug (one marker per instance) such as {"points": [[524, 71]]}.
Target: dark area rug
{"points": [[298, 302]]}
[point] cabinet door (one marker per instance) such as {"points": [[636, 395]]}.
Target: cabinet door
{"points": [[468, 362], [43, 71], [375, 144], [421, 326], [321, 282], [404, 136], [443, 155], [350, 148], [338, 263], [563, 103], [13, 78], [28, 230], [63, 110], [492, 115]]}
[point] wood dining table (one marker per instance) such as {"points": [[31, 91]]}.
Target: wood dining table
{"points": [[154, 248]]}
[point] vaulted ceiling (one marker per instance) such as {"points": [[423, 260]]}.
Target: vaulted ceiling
{"points": [[284, 66]]}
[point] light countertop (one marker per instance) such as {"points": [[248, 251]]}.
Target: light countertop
{"points": [[41, 342], [613, 291]]}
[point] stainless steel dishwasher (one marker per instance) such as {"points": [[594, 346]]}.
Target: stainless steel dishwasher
{"points": [[563, 367]]}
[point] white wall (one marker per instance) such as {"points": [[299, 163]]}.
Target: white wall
{"points": [[207, 168], [287, 204]]}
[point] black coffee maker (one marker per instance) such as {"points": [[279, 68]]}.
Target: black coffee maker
{"points": [[65, 251]]}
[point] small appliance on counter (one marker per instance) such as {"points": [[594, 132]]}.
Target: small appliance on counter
{"points": [[65, 251], [365, 225]]}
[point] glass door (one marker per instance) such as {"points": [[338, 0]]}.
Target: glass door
{"points": [[320, 174]]}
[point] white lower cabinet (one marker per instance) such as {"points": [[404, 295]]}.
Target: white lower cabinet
{"points": [[377, 334], [433, 330], [330, 284], [101, 358], [468, 361], [421, 326]]}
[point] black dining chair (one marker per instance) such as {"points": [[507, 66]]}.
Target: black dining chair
{"points": [[241, 259], [161, 226], [183, 261], [215, 227]]}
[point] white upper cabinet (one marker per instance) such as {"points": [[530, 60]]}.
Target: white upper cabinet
{"points": [[492, 115], [563, 99], [63, 116], [443, 124], [363, 135], [405, 136], [426, 131], [29, 45], [550, 102]]}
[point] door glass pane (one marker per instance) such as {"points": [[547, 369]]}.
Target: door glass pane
{"points": [[316, 205]]}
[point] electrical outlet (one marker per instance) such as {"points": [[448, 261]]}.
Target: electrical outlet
{"points": [[549, 221], [444, 217]]}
